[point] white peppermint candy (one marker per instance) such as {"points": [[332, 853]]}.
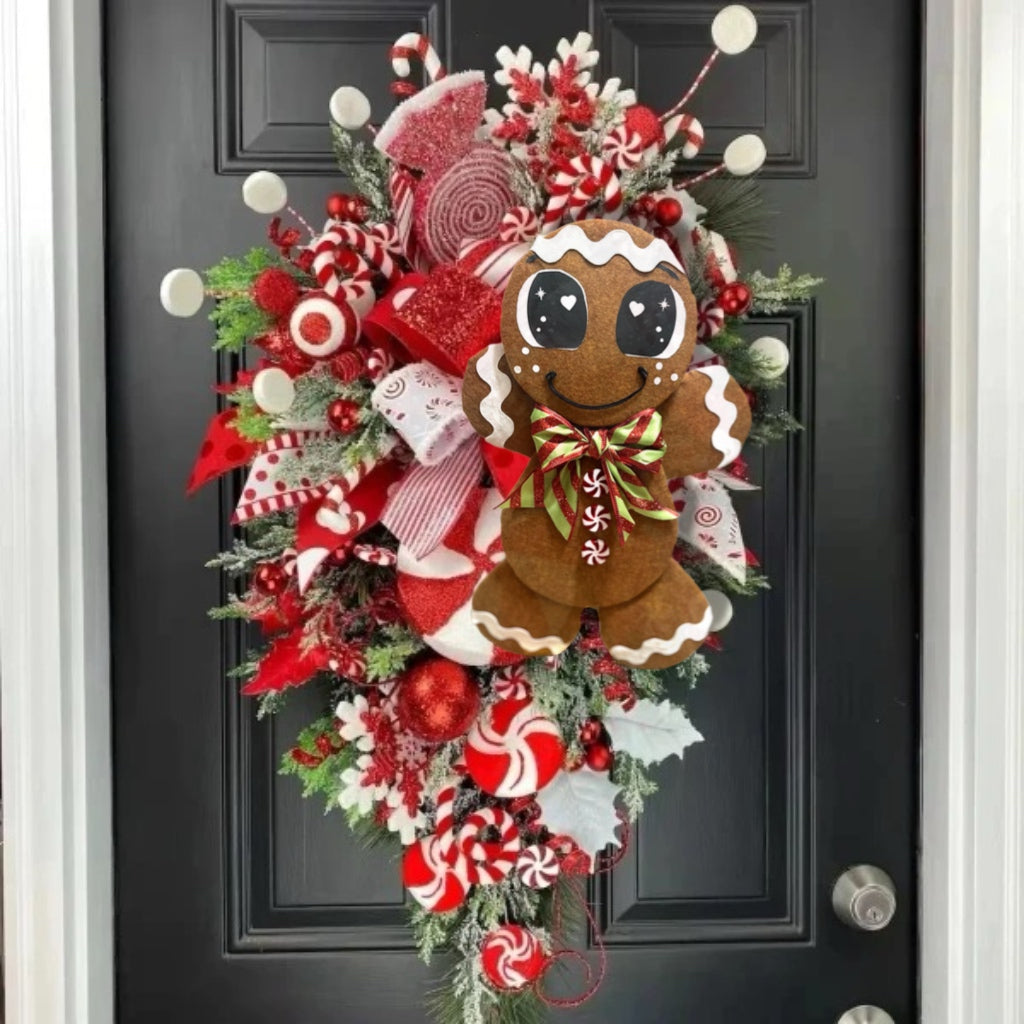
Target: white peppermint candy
{"points": [[596, 518], [594, 483], [595, 552], [538, 866], [512, 683]]}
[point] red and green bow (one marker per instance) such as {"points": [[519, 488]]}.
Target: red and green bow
{"points": [[555, 480]]}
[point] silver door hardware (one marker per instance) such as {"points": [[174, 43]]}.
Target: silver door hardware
{"points": [[865, 1015], [864, 897]]}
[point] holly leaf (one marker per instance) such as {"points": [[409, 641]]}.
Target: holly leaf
{"points": [[581, 805], [650, 732]]}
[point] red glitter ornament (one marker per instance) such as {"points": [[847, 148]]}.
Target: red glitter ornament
{"points": [[438, 699], [269, 578], [357, 209], [646, 123], [337, 205], [599, 757], [668, 211], [275, 291], [590, 732], [343, 415], [735, 298], [646, 205]]}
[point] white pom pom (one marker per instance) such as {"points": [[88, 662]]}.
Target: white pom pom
{"points": [[181, 292], [734, 29], [744, 155], [350, 107], [721, 609], [273, 390], [774, 352], [265, 192]]}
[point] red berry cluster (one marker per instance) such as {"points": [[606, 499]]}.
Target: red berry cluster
{"points": [[597, 749]]}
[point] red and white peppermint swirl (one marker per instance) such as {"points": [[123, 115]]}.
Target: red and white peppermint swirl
{"points": [[594, 482], [622, 148], [511, 957], [708, 515], [467, 201], [374, 554], [519, 224], [596, 518], [595, 552], [414, 44], [710, 319], [430, 879], [488, 862], [538, 866], [692, 131], [511, 683]]}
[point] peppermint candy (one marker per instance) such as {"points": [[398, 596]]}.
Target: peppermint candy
{"points": [[623, 148], [596, 518], [520, 224], [511, 957], [595, 552], [513, 749], [431, 880], [594, 483], [511, 683], [710, 319], [538, 866]]}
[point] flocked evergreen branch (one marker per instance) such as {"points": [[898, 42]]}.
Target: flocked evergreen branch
{"points": [[368, 170], [735, 208], [636, 784], [773, 294]]}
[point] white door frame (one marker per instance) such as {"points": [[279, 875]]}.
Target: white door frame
{"points": [[54, 651]]}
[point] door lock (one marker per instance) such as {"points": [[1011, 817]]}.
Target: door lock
{"points": [[865, 1015], [864, 897]]}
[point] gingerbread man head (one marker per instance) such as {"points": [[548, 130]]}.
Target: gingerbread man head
{"points": [[598, 322]]}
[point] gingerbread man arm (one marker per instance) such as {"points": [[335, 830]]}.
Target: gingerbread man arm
{"points": [[496, 405], [705, 422]]}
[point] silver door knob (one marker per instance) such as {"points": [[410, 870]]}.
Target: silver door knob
{"points": [[864, 897], [865, 1015]]}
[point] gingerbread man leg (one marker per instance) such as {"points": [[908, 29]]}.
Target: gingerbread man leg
{"points": [[518, 619], [659, 627]]}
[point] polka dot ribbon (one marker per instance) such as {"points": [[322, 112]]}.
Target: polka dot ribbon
{"points": [[553, 479]]}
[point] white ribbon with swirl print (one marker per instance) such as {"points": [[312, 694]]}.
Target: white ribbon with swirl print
{"points": [[708, 521], [424, 405]]}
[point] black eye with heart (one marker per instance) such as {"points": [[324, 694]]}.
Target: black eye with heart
{"points": [[651, 322], [551, 310]]}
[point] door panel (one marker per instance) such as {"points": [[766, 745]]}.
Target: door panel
{"points": [[237, 900]]}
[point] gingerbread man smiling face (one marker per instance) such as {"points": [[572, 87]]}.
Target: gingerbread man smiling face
{"points": [[592, 380], [599, 322]]}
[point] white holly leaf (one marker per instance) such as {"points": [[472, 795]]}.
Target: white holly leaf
{"points": [[581, 804], [650, 732]]}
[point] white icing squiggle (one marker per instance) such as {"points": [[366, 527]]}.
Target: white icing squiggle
{"points": [[726, 411], [529, 643], [499, 385], [687, 631], [551, 248]]}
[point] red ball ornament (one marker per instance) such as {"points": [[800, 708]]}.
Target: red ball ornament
{"points": [[511, 957], [646, 123], [337, 205], [343, 415], [735, 298], [669, 211], [357, 209], [438, 699], [275, 291], [646, 205], [590, 732], [269, 578], [599, 757]]}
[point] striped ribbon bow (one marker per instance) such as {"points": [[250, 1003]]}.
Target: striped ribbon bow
{"points": [[556, 479]]}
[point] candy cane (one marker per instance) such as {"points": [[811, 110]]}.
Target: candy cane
{"points": [[577, 183], [368, 245], [488, 862], [352, 289], [693, 133], [414, 44]]}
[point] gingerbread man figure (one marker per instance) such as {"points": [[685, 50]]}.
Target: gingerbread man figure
{"points": [[591, 380]]}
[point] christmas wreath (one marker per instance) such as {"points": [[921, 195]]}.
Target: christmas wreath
{"points": [[370, 509]]}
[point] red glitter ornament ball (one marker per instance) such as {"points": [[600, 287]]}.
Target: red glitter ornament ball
{"points": [[599, 757], [669, 211], [735, 298], [590, 732], [337, 205], [275, 291], [343, 415], [269, 578], [438, 699], [357, 209], [646, 123]]}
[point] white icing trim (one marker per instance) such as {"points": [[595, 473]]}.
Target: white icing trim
{"points": [[499, 386], [529, 643], [551, 248], [687, 631], [726, 411]]}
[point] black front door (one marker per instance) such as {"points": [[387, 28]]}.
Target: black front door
{"points": [[240, 902]]}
